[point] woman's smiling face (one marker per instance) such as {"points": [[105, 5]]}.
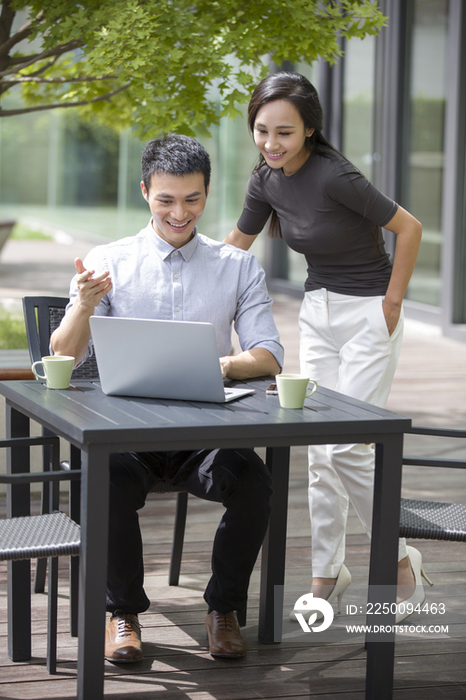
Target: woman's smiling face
{"points": [[280, 135]]}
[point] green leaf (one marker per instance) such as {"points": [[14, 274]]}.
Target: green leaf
{"points": [[156, 65]]}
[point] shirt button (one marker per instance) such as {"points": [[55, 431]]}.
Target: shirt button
{"points": [[176, 253], [176, 277], [177, 308]]}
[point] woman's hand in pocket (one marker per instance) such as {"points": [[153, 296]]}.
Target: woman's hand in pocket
{"points": [[392, 315]]}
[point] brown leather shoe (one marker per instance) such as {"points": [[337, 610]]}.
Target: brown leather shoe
{"points": [[123, 638], [225, 638]]}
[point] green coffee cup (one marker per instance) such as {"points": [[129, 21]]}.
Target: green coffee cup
{"points": [[292, 389], [57, 370]]}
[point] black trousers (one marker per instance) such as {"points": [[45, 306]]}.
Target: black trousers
{"points": [[236, 478]]}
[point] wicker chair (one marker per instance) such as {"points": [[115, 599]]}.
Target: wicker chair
{"points": [[42, 316], [25, 537], [434, 520]]}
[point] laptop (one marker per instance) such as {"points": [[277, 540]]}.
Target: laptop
{"points": [[160, 360]]}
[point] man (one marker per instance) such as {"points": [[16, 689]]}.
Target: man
{"points": [[170, 271]]}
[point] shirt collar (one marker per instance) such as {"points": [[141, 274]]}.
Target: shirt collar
{"points": [[164, 249]]}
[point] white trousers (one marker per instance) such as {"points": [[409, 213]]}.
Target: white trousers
{"points": [[344, 345]]}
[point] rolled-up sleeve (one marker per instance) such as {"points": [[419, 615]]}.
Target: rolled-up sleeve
{"points": [[254, 322]]}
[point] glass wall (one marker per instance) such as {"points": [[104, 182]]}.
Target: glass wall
{"points": [[423, 190], [58, 172], [358, 100], [233, 155], [84, 178]]}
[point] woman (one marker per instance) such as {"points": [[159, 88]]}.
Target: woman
{"points": [[351, 319]]}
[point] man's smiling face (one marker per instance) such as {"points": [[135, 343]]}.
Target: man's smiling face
{"points": [[176, 204]]}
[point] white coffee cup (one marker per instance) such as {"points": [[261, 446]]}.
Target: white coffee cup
{"points": [[292, 389], [57, 370]]}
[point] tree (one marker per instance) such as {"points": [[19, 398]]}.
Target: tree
{"points": [[163, 64]]}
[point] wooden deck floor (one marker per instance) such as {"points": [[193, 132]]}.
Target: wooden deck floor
{"points": [[430, 387], [177, 665]]}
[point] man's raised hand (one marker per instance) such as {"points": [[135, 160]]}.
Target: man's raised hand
{"points": [[91, 290]]}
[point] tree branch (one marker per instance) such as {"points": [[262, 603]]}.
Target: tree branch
{"points": [[33, 79], [30, 60], [7, 16], [37, 72], [21, 34], [81, 103]]}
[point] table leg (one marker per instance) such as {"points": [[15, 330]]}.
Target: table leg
{"points": [[383, 564], [75, 514], [18, 572], [274, 549], [93, 572]]}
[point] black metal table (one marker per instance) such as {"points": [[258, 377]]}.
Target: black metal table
{"points": [[99, 425]]}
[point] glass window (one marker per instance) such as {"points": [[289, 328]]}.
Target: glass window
{"points": [[422, 195], [234, 155], [358, 98]]}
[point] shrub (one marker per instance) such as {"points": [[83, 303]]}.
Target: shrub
{"points": [[12, 331]]}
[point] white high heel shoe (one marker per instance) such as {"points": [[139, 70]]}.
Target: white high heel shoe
{"points": [[341, 584], [406, 607]]}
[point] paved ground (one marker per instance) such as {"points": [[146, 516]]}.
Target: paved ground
{"points": [[38, 267]]}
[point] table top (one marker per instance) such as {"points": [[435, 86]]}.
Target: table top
{"points": [[84, 415]]}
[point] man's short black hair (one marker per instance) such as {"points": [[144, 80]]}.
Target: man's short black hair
{"points": [[174, 154]]}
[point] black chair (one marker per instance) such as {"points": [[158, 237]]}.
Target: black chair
{"points": [[51, 534], [434, 520], [42, 316]]}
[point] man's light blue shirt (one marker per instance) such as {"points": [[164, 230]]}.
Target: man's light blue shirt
{"points": [[204, 280]]}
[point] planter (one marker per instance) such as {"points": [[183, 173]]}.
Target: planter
{"points": [[6, 226]]}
